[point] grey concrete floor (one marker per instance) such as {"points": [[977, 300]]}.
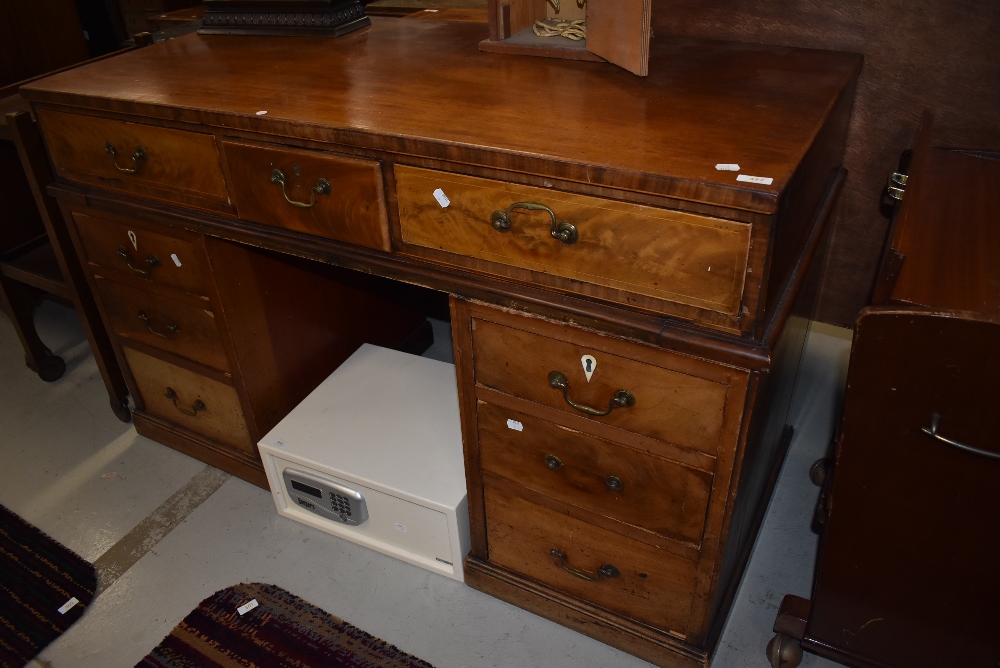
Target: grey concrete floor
{"points": [[167, 531]]}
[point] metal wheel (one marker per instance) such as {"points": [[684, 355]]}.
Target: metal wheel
{"points": [[784, 652], [818, 471]]}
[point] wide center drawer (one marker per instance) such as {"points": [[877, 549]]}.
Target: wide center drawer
{"points": [[620, 483], [173, 258], [132, 156], [670, 255], [590, 563], [334, 196]]}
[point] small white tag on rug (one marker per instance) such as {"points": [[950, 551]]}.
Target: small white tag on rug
{"points": [[442, 198], [727, 167], [763, 180], [247, 607], [515, 425], [68, 605]]}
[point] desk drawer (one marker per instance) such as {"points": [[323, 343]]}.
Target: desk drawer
{"points": [[197, 403], [673, 406], [148, 159], [670, 255], [333, 196], [172, 321], [620, 483], [651, 586], [167, 257]]}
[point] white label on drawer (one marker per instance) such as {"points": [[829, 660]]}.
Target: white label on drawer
{"points": [[68, 605], [589, 363], [401, 528], [442, 198], [515, 425], [763, 180], [135, 242], [177, 261], [247, 607], [723, 167]]}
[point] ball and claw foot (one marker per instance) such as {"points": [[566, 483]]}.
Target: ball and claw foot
{"points": [[784, 652]]}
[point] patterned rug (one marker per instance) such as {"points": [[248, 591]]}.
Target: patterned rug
{"points": [[44, 588], [262, 625]]}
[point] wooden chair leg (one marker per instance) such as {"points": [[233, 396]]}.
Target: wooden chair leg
{"points": [[20, 301]]}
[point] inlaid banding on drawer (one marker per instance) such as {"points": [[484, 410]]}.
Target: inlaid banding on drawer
{"points": [[338, 197], [669, 405], [175, 261], [172, 321], [671, 255], [611, 480], [125, 155], [197, 403], [628, 577]]}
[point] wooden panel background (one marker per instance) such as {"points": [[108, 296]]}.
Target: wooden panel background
{"points": [[944, 56]]}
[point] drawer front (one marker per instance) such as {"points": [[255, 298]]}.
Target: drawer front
{"points": [[671, 406], [651, 586], [333, 196], [197, 403], [161, 257], [145, 156], [620, 483], [176, 323], [670, 255]]}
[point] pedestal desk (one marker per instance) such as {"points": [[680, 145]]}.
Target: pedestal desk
{"points": [[239, 203]]}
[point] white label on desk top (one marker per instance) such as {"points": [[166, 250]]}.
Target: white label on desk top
{"points": [[177, 260], [442, 198], [727, 167], [68, 605], [515, 425], [262, 113], [280, 443], [763, 180], [247, 607], [401, 528]]}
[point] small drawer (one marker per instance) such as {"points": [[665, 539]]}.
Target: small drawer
{"points": [[147, 159], [328, 195], [167, 257], [197, 403], [172, 321], [657, 401], [620, 483], [597, 566], [670, 255]]}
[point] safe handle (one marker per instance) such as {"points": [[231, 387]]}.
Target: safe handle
{"points": [[621, 399], [607, 571], [561, 230], [198, 405], [171, 328], [322, 187], [152, 262], [138, 156], [933, 432]]}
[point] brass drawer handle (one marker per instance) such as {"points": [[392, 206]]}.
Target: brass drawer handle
{"points": [[605, 571], [152, 262], [561, 230], [171, 328], [933, 431], [322, 187], [198, 405], [622, 398], [138, 155]]}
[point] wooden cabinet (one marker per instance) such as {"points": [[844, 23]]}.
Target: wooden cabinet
{"points": [[620, 499]]}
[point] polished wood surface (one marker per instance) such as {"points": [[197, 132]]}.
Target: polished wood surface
{"points": [[620, 32], [168, 320], [152, 257], [221, 418], [689, 258], [38, 37], [354, 211], [670, 405], [175, 160], [653, 587], [656, 494]]}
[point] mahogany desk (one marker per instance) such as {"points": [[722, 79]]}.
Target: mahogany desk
{"points": [[240, 201]]}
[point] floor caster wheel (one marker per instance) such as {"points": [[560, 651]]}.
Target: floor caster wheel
{"points": [[50, 368], [818, 471], [784, 652], [121, 409]]}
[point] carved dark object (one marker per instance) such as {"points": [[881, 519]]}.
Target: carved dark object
{"points": [[284, 17]]}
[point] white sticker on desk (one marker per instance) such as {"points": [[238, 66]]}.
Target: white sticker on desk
{"points": [[728, 167], [281, 444], [68, 605], [177, 261], [401, 528], [442, 198], [515, 425], [247, 607], [763, 180]]}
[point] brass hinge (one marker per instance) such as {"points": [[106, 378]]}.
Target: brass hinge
{"points": [[896, 186]]}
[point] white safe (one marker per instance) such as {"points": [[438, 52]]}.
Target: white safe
{"points": [[374, 455]]}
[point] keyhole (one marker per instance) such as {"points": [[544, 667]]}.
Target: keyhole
{"points": [[295, 168], [589, 363]]}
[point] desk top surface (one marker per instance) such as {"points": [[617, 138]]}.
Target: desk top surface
{"points": [[423, 88]]}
